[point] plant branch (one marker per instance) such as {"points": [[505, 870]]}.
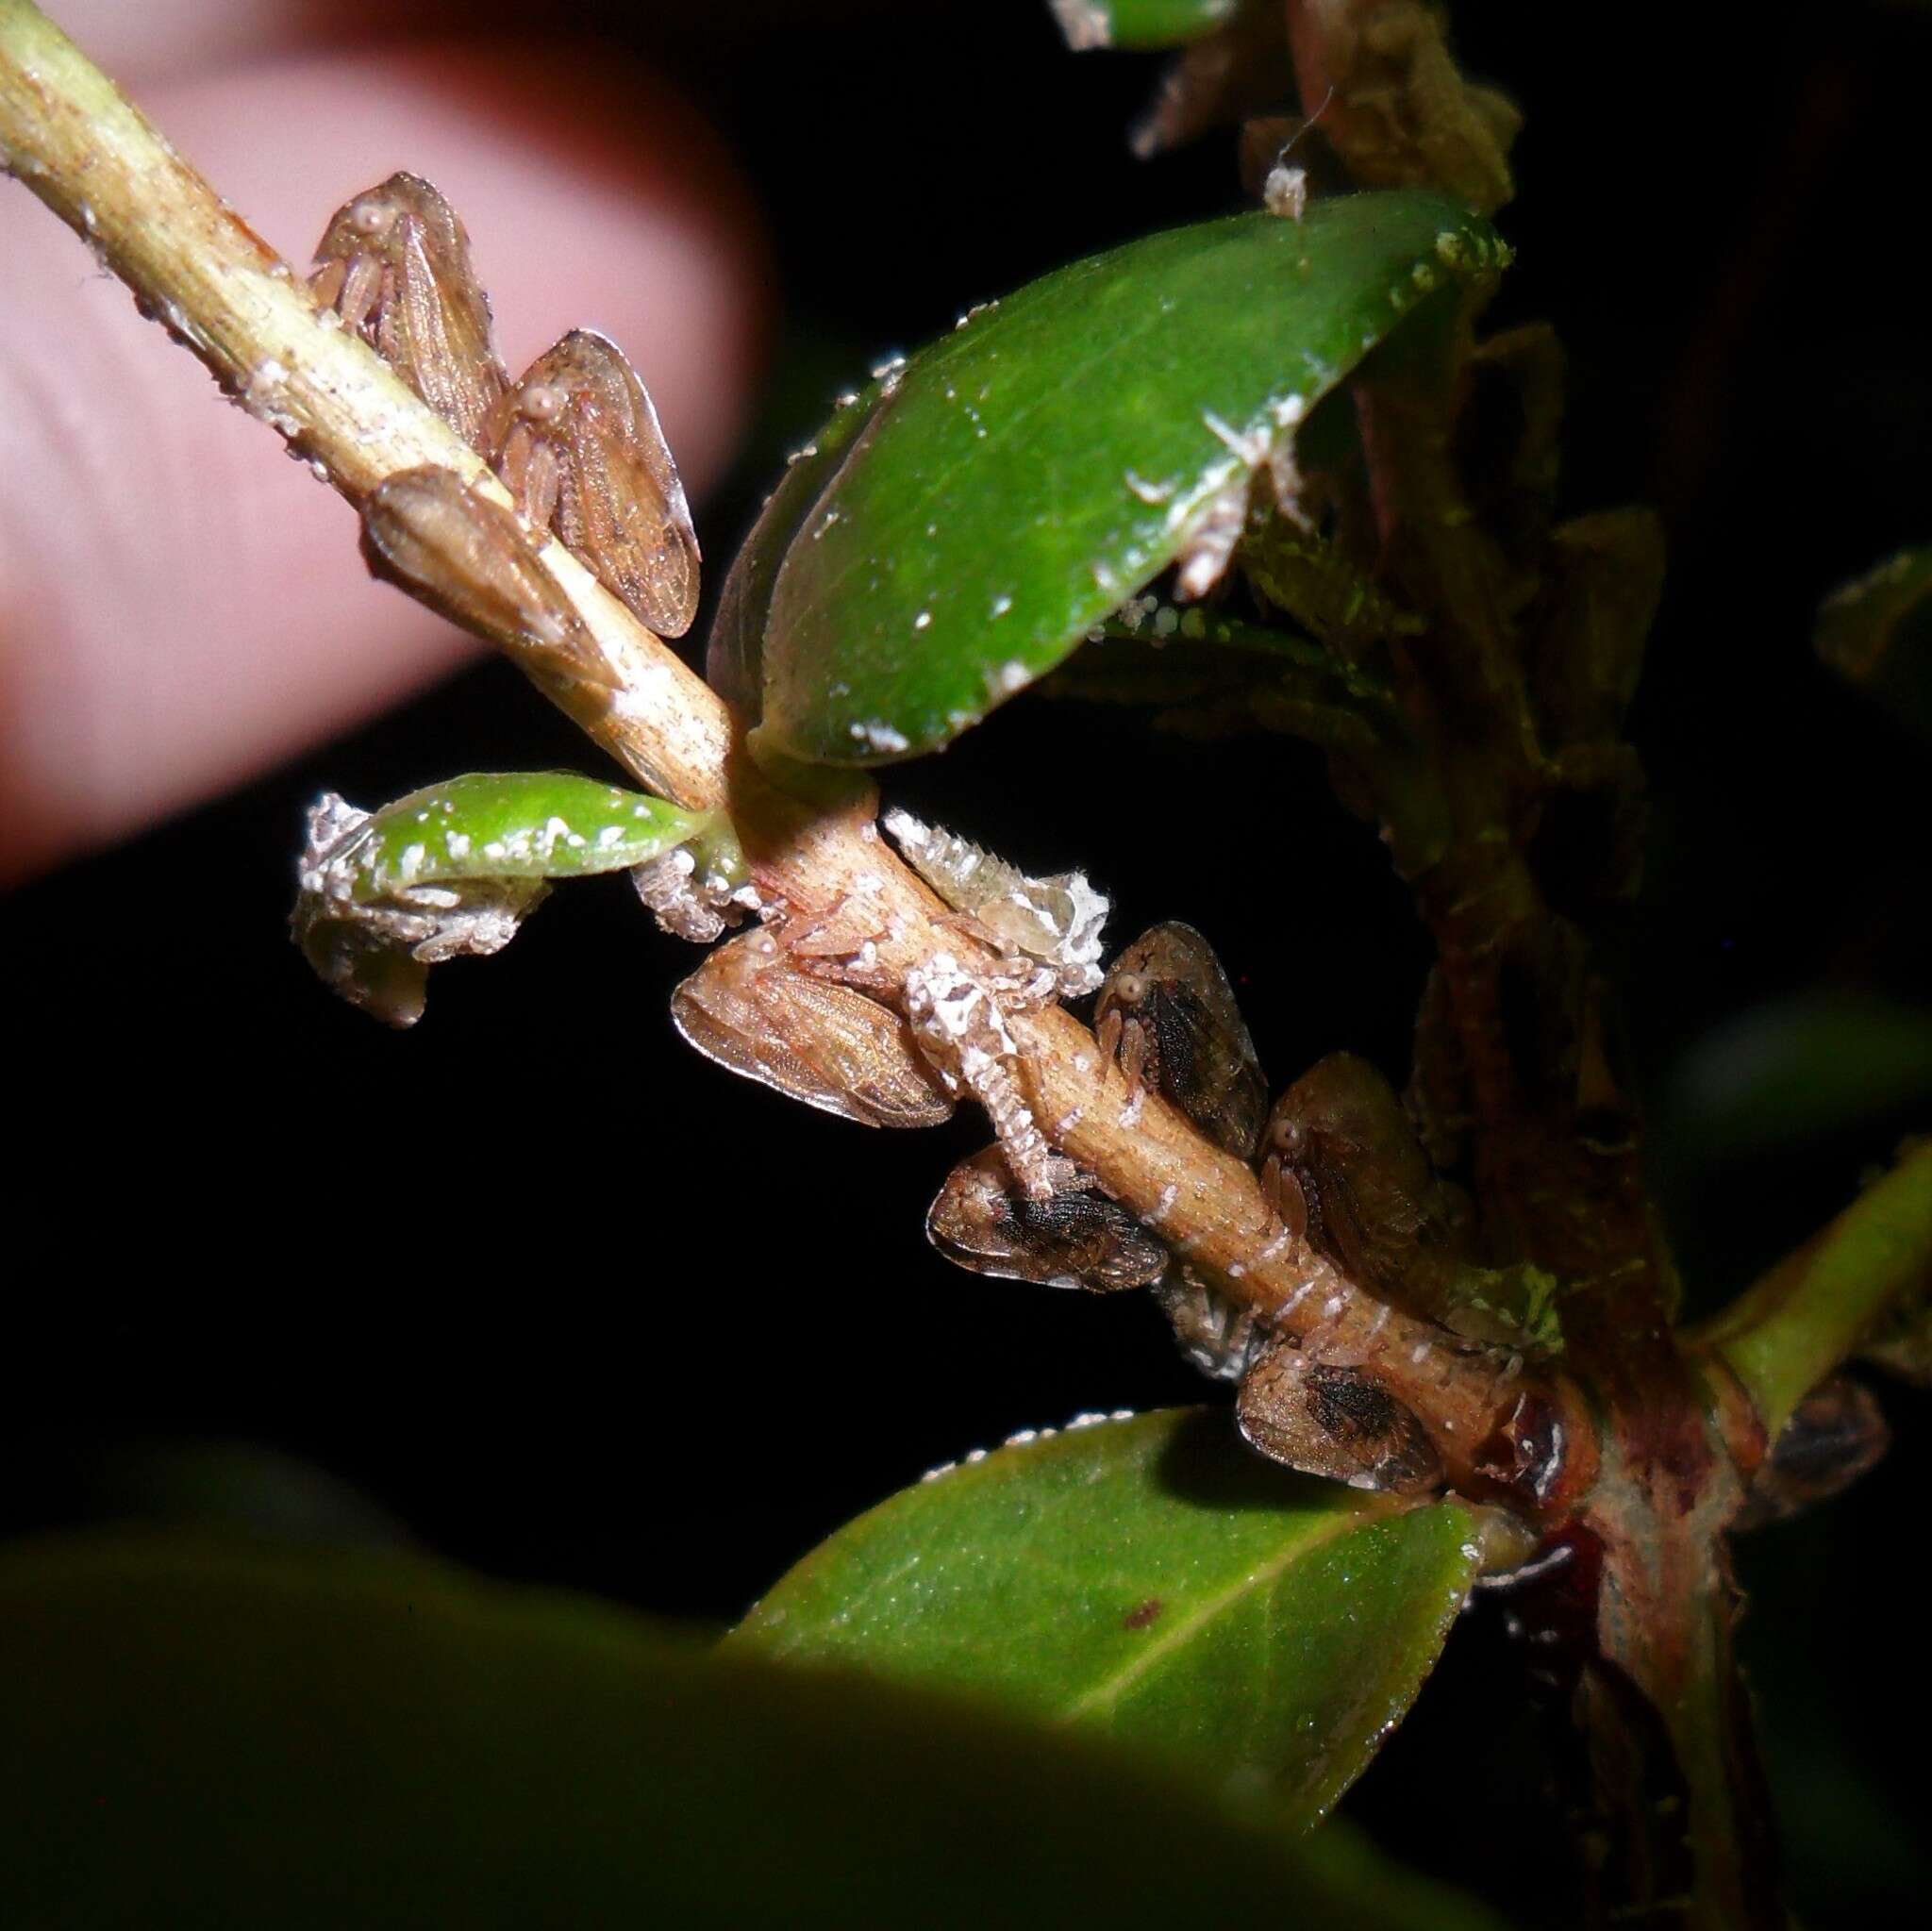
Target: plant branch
{"points": [[70, 135], [1784, 1335], [1516, 1035]]}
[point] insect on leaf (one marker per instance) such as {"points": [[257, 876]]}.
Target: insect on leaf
{"points": [[757, 1015], [578, 443], [1168, 1013], [1149, 1577], [450, 547], [395, 264], [1075, 1238]]}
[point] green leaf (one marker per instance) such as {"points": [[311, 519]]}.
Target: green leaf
{"points": [[513, 825], [456, 869], [204, 1736], [1021, 478], [1792, 1071], [1878, 633], [1152, 1578], [734, 655], [1088, 23]]}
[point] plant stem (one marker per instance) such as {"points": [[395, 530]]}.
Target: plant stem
{"points": [[193, 265], [1784, 1335], [1517, 1027]]}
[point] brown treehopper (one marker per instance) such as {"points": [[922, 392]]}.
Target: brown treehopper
{"points": [[578, 446], [395, 264], [1075, 1238]]}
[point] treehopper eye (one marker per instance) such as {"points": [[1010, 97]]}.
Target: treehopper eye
{"points": [[579, 445], [1075, 1238], [395, 264], [1168, 1014], [757, 1014]]}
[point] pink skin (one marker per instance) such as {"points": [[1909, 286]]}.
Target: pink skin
{"points": [[181, 606]]}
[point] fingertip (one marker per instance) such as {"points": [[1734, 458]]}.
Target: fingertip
{"points": [[182, 606], [594, 196]]}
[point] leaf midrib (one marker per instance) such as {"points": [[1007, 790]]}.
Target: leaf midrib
{"points": [[1103, 1694]]}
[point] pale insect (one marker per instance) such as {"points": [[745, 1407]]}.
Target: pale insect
{"points": [[1168, 1015], [757, 1014], [1284, 189], [578, 443], [375, 949], [1285, 192], [454, 549], [959, 1022], [1213, 534], [1334, 1422], [395, 264], [1056, 920], [1074, 1238]]}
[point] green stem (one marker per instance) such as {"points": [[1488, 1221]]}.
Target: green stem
{"points": [[1782, 1336]]}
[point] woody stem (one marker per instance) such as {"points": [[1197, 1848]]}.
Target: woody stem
{"points": [[195, 266]]}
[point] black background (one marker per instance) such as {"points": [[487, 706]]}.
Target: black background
{"points": [[563, 1301]]}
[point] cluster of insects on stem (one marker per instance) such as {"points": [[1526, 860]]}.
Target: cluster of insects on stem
{"points": [[808, 1005]]}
